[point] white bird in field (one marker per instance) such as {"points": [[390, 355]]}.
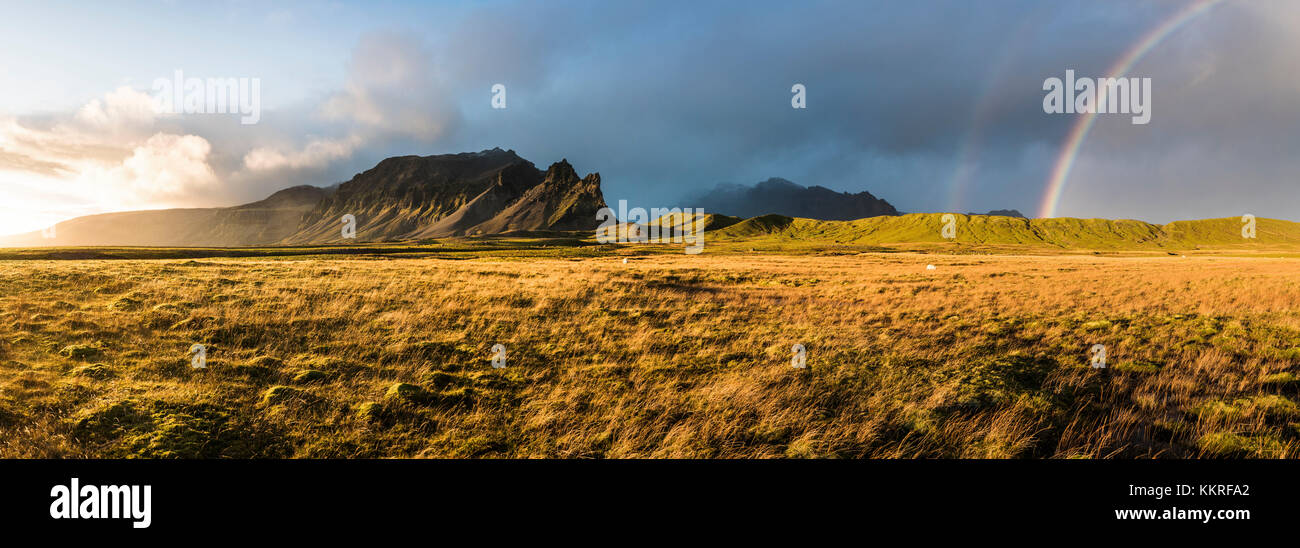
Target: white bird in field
{"points": [[929, 267]]}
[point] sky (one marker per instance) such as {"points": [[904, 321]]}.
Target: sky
{"points": [[934, 105]]}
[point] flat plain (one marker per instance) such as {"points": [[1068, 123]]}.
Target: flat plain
{"points": [[368, 355]]}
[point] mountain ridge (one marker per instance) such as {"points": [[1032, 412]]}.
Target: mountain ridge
{"points": [[496, 191], [784, 197], [402, 197]]}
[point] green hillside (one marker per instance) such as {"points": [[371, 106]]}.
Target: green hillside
{"points": [[1064, 233]]}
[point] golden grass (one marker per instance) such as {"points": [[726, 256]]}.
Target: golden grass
{"points": [[665, 356]]}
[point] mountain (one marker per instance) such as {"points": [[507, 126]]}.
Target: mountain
{"points": [[265, 221], [454, 195], [779, 196], [1063, 233], [1003, 213], [405, 197]]}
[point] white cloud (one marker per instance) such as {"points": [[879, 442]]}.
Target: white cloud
{"points": [[118, 152], [392, 91], [111, 151], [392, 88], [122, 109], [165, 169], [317, 154]]}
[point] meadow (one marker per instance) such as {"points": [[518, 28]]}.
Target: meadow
{"points": [[369, 355]]}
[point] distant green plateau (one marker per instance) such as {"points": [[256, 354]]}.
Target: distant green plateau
{"points": [[917, 232]]}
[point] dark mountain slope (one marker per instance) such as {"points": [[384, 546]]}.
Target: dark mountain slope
{"points": [[782, 197]]}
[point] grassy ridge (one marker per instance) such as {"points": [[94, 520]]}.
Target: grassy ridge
{"points": [[1064, 233], [780, 234]]}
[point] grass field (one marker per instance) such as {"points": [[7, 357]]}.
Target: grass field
{"points": [[388, 354]]}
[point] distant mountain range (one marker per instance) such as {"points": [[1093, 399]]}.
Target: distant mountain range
{"points": [[407, 197], [1002, 213], [495, 191], [783, 197]]}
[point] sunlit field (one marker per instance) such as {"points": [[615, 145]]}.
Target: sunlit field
{"points": [[984, 356]]}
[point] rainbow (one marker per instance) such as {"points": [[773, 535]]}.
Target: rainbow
{"points": [[967, 164], [1065, 161]]}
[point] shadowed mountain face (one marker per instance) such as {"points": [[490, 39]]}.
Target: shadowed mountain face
{"points": [[515, 201], [485, 192], [782, 197]]}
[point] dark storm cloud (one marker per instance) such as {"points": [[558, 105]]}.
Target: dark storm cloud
{"points": [[933, 105], [692, 96]]}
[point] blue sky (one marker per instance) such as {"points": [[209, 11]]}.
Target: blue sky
{"points": [[934, 105]]}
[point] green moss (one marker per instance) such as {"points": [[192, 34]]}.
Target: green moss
{"points": [[1228, 444], [441, 379], [1137, 366], [371, 412], [250, 371], [769, 434], [281, 395], [81, 351], [417, 395], [1220, 409], [1274, 406], [457, 445], [149, 430], [160, 429], [95, 371], [125, 304], [9, 414], [310, 376], [1280, 379], [801, 449], [1000, 381], [1269, 406], [408, 393], [458, 396], [267, 362], [1099, 325]]}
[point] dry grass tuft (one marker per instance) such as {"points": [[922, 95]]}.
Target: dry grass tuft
{"points": [[665, 356]]}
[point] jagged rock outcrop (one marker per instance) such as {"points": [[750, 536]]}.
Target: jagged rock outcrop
{"points": [[406, 197]]}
